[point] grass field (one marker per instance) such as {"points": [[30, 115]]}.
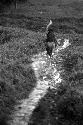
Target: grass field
{"points": [[17, 78], [22, 32]]}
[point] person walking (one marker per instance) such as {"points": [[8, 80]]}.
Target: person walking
{"points": [[50, 42]]}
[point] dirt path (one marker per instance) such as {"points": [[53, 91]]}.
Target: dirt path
{"points": [[42, 68], [28, 105]]}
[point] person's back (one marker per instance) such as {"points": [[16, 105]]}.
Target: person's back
{"points": [[50, 36], [51, 41]]}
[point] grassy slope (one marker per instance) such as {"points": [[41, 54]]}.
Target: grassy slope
{"points": [[17, 46], [51, 9], [67, 16], [17, 77]]}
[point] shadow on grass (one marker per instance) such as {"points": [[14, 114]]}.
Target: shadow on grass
{"points": [[5, 37], [64, 109], [16, 83]]}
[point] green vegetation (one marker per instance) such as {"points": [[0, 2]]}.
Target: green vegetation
{"points": [[17, 78], [5, 37], [5, 4], [16, 82], [64, 109], [63, 105]]}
